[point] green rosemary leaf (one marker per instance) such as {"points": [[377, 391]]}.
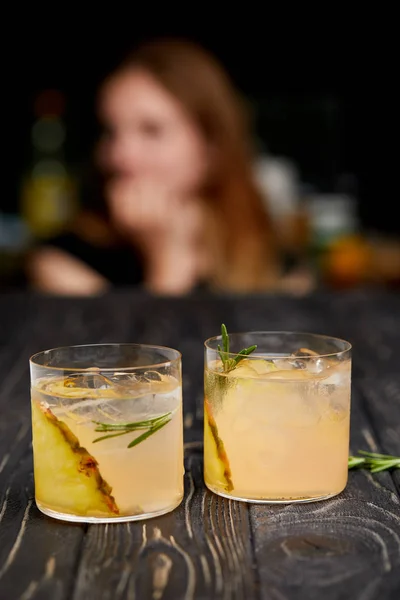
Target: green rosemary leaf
{"points": [[385, 465], [243, 353], [229, 363], [131, 426], [376, 455], [355, 461], [117, 429], [225, 338], [147, 434], [374, 462], [112, 435], [221, 354]]}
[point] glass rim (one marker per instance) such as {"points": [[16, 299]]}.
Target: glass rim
{"points": [[348, 346], [33, 358]]}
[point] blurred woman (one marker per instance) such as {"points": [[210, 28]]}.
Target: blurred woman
{"points": [[178, 208]]}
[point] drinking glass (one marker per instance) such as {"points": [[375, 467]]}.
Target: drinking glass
{"points": [[276, 422], [107, 432]]}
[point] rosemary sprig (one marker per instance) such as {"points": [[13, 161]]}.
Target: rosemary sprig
{"points": [[374, 462], [117, 429], [228, 362]]}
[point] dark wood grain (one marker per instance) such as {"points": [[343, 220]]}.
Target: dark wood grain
{"points": [[323, 550], [201, 550], [209, 547]]}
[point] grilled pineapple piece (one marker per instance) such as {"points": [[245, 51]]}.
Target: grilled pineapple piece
{"points": [[216, 464], [67, 477]]}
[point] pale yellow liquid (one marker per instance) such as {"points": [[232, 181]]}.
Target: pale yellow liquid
{"points": [[146, 479], [286, 434]]}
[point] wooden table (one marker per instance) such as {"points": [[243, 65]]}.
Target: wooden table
{"points": [[347, 547]]}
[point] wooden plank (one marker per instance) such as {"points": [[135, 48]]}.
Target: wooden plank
{"points": [[383, 405], [12, 315], [37, 555], [201, 550], [373, 324], [208, 547]]}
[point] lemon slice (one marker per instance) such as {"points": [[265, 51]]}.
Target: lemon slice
{"points": [[67, 477]]}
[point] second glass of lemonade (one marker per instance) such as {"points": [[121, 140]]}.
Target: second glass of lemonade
{"points": [[277, 422], [107, 432]]}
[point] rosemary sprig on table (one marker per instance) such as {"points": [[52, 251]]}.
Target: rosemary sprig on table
{"points": [[117, 429], [374, 462], [228, 362]]}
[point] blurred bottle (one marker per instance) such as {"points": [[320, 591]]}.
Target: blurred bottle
{"points": [[340, 252], [279, 179], [49, 190]]}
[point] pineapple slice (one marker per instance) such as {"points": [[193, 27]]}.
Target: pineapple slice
{"points": [[67, 478], [216, 464]]}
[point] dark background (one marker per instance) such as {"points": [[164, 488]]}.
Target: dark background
{"points": [[322, 95]]}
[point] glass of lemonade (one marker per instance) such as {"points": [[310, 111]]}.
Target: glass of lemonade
{"points": [[107, 432], [277, 422]]}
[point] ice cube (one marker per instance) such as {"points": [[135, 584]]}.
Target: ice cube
{"points": [[339, 375], [336, 411], [317, 366], [108, 410], [249, 368], [289, 374], [288, 363], [153, 376], [243, 369], [304, 359], [262, 366], [150, 382], [134, 384], [253, 368], [88, 385], [304, 352], [296, 357]]}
